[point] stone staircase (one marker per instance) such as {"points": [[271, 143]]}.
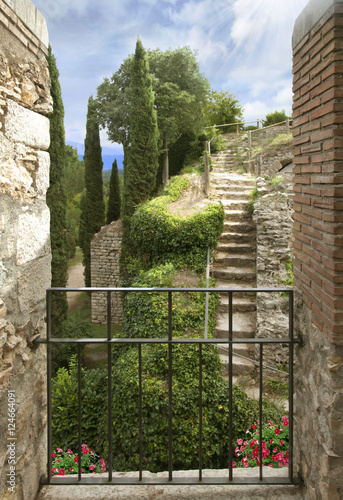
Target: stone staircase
{"points": [[234, 262]]}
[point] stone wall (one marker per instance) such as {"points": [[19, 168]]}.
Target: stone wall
{"points": [[274, 225], [105, 251], [318, 245], [24, 245]]}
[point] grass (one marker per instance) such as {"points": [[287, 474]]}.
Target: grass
{"points": [[76, 259]]}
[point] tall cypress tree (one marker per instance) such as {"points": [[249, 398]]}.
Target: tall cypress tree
{"points": [[114, 198], [93, 213], [141, 157], [56, 198]]}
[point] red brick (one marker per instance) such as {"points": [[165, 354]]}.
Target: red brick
{"points": [[312, 232], [333, 289], [311, 148], [312, 253], [299, 82], [302, 257], [323, 87], [311, 169], [333, 168], [310, 127], [312, 211], [305, 200], [301, 160], [299, 121], [333, 69], [317, 323], [301, 44], [313, 191], [299, 61], [301, 179], [314, 63], [332, 120], [334, 143], [334, 265]]}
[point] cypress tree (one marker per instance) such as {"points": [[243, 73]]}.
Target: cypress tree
{"points": [[56, 199], [114, 199], [93, 213], [141, 157]]}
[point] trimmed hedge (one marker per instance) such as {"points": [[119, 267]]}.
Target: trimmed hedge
{"points": [[162, 237]]}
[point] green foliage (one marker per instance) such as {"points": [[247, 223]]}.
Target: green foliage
{"points": [[254, 195], [114, 200], [163, 237], [146, 314], [56, 198], [276, 182], [141, 158], [92, 206], [276, 117], [288, 282], [222, 107], [67, 462], [74, 175], [72, 329], [65, 407], [277, 387]]}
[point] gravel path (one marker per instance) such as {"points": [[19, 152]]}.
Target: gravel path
{"points": [[75, 279]]}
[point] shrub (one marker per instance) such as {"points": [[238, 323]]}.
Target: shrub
{"points": [[67, 462], [71, 329], [162, 237], [65, 406], [276, 117]]}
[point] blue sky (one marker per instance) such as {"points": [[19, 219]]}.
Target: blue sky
{"points": [[244, 46]]}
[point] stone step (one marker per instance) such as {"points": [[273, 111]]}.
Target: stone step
{"points": [[234, 204], [235, 248], [239, 227], [237, 238], [239, 366], [243, 325], [236, 215], [234, 274], [236, 193], [238, 305], [228, 260], [242, 293], [246, 350]]}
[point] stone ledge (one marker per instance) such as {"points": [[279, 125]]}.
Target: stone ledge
{"points": [[311, 14], [178, 492], [31, 17]]}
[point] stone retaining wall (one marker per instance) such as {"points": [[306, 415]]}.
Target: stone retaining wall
{"points": [[25, 245], [105, 252], [274, 225]]}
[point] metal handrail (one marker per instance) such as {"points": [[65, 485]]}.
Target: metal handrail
{"points": [[290, 340]]}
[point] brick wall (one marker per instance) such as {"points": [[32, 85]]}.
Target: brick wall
{"points": [[318, 159], [318, 244]]}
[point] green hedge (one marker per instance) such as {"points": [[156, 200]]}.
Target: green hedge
{"points": [[146, 314], [185, 401], [162, 237]]}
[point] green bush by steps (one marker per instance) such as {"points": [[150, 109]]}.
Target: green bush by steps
{"points": [[162, 237], [146, 314]]}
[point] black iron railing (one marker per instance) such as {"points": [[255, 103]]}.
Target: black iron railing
{"points": [[231, 341]]}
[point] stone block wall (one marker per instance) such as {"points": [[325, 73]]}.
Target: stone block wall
{"points": [[105, 252], [318, 245], [24, 245], [274, 225]]}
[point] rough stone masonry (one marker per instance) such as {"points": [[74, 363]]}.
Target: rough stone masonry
{"points": [[24, 245]]}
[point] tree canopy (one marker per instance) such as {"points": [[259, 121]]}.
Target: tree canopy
{"points": [[276, 117], [56, 198], [141, 160], [92, 206], [222, 107], [180, 95]]}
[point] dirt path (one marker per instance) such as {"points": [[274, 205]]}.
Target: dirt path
{"points": [[75, 279]]}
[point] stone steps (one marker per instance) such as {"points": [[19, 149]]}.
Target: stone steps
{"points": [[235, 273], [234, 237], [234, 264]]}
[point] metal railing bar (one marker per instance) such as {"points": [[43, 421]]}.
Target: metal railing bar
{"points": [[200, 412], [170, 385], [49, 388], [166, 289], [291, 384], [230, 325], [260, 409], [109, 385], [131, 481], [79, 393], [166, 341], [256, 362], [140, 412]]}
